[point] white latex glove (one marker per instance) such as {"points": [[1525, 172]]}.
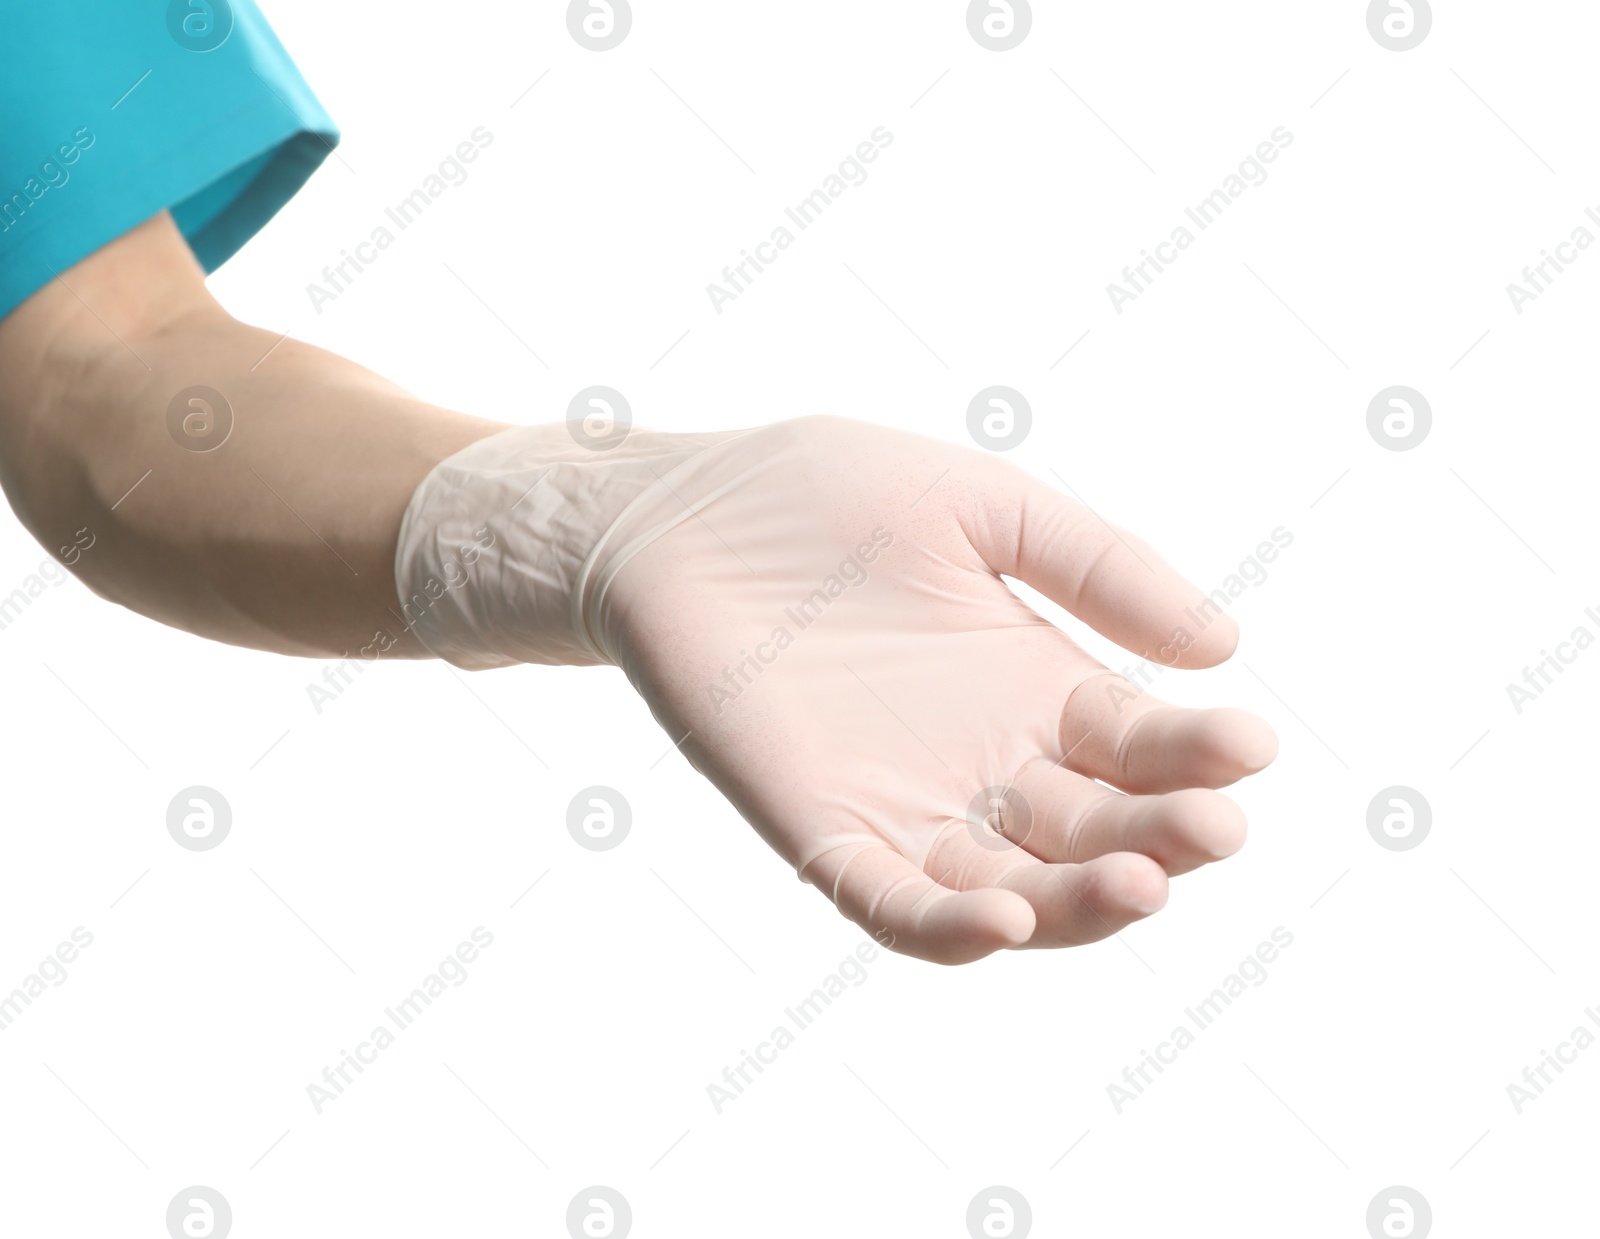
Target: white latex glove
{"points": [[819, 605]]}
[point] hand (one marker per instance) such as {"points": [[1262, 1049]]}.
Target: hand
{"points": [[819, 605]]}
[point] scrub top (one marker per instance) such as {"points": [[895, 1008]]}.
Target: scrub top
{"points": [[113, 110]]}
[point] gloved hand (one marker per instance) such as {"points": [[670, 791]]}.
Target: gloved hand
{"points": [[819, 605]]}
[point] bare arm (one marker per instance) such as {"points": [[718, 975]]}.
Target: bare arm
{"points": [[283, 536]]}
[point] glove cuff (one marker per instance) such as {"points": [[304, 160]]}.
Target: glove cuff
{"points": [[507, 547]]}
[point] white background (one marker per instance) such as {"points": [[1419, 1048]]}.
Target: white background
{"points": [[372, 837]]}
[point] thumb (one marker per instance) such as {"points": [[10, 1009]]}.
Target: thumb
{"points": [[1107, 577]]}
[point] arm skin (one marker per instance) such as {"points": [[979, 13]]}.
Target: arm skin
{"points": [[281, 539]]}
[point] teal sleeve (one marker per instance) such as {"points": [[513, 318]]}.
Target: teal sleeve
{"points": [[114, 110]]}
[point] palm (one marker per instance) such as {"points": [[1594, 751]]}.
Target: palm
{"points": [[834, 635]]}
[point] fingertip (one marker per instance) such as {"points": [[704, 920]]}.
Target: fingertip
{"points": [[1213, 645], [969, 925], [1129, 882], [1143, 885], [1250, 738], [1207, 821], [1232, 744], [1003, 915], [1267, 751]]}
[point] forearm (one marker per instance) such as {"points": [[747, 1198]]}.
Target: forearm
{"points": [[280, 536]]}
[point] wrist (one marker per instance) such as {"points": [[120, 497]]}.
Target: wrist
{"points": [[507, 549]]}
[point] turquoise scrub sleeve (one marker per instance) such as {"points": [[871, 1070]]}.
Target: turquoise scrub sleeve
{"points": [[114, 110]]}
